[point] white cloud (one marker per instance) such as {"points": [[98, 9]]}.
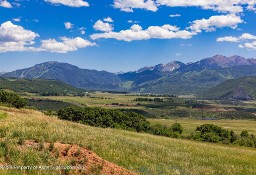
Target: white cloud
{"points": [[65, 45], [108, 19], [101, 26], [137, 33], [247, 36], [244, 36], [233, 6], [251, 45], [5, 4], [133, 22], [82, 30], [71, 3], [129, 5], [68, 25], [214, 22], [243, 39], [15, 38], [227, 39], [174, 15], [226, 6], [16, 19]]}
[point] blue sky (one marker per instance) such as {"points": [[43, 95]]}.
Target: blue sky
{"points": [[123, 35]]}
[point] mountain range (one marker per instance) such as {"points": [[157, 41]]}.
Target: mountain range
{"points": [[171, 78], [81, 78]]}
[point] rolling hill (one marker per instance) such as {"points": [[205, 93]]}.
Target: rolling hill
{"points": [[39, 86], [26, 141], [240, 89]]}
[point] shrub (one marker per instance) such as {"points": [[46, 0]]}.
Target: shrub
{"points": [[13, 99], [176, 127], [211, 133], [244, 134]]}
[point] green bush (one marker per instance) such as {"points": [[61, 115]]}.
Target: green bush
{"points": [[13, 99], [176, 127], [162, 130], [244, 134], [211, 133]]}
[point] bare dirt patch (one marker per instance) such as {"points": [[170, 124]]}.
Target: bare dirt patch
{"points": [[82, 157]]}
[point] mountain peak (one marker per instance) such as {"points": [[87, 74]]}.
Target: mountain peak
{"points": [[223, 61], [48, 63], [168, 67]]}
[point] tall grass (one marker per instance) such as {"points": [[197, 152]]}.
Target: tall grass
{"points": [[142, 153]]}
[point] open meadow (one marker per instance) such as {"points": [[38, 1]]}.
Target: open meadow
{"points": [[189, 125]]}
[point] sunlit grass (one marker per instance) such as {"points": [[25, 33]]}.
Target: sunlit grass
{"points": [[189, 125], [142, 153]]}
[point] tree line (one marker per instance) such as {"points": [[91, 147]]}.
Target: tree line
{"points": [[113, 118]]}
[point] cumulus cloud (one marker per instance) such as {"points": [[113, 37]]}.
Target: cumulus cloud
{"points": [[71, 3], [233, 6], [167, 31], [137, 33], [68, 25], [245, 36], [129, 5], [247, 40], [214, 22], [251, 46], [227, 6], [15, 38], [103, 26], [65, 45], [5, 4], [227, 39], [108, 19]]}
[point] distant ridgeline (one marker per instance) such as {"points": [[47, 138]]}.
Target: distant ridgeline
{"points": [[238, 89], [171, 78], [40, 87]]}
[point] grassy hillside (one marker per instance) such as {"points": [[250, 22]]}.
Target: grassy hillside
{"points": [[39, 86], [241, 88], [141, 153]]}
